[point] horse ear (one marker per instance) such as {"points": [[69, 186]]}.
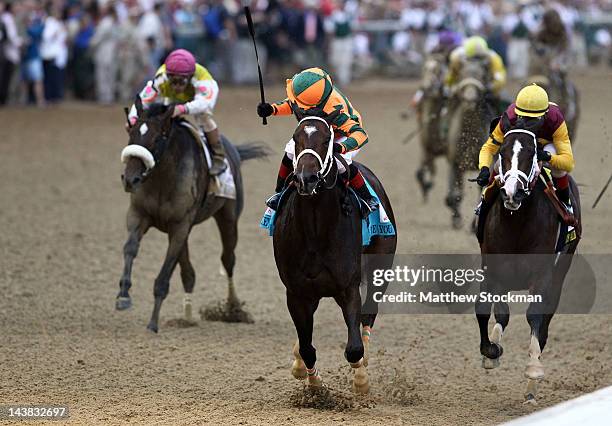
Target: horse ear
{"points": [[332, 117], [505, 122], [138, 105], [167, 118]]}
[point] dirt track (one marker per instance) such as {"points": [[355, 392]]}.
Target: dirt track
{"points": [[62, 214]]}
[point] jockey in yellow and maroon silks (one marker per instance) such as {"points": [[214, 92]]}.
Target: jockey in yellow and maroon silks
{"points": [[313, 89], [554, 145]]}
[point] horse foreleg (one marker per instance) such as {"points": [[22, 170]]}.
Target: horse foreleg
{"points": [[350, 303], [228, 228], [488, 349], [302, 313], [137, 226], [177, 237], [455, 193], [188, 279], [502, 317]]}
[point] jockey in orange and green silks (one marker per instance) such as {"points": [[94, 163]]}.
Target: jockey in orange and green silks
{"points": [[188, 85], [312, 90]]}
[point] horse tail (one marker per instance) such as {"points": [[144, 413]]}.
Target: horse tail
{"points": [[252, 150]]}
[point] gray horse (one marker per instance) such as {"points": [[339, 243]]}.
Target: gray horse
{"points": [[166, 173], [469, 117]]}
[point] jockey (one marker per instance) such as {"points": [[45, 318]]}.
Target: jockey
{"points": [[312, 91], [182, 81], [447, 42], [554, 145], [476, 48]]}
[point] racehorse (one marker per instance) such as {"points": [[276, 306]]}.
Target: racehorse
{"points": [[318, 248], [433, 138], [470, 115], [523, 221], [166, 173], [548, 69]]}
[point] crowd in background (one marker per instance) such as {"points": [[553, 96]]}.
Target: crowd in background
{"points": [[104, 50]]}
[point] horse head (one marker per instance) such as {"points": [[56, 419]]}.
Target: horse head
{"points": [[148, 141], [314, 151], [518, 162], [472, 84]]}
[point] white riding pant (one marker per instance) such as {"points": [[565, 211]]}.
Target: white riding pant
{"points": [[348, 157]]}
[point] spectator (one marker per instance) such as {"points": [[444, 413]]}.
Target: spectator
{"points": [[340, 24], [152, 29], [54, 53], [32, 68], [220, 36], [104, 47], [133, 56], [10, 43], [311, 36], [82, 61]]}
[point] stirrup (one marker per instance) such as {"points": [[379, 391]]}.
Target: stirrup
{"points": [[218, 166], [273, 201], [368, 206]]}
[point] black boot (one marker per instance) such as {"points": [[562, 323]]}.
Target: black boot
{"points": [[370, 200], [285, 168]]}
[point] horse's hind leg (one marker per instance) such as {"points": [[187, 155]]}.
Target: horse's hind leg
{"points": [[350, 302], [227, 222], [302, 312], [188, 279], [137, 226], [177, 236]]}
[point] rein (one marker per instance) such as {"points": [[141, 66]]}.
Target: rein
{"points": [[148, 157], [519, 174]]}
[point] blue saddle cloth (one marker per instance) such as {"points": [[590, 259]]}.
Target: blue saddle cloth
{"points": [[376, 224]]}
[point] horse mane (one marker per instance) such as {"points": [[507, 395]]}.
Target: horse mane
{"points": [[155, 110]]}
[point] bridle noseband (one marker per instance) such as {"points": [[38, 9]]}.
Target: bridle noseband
{"points": [[521, 176]]}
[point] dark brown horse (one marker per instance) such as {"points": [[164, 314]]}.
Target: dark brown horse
{"points": [[166, 173], [518, 249], [318, 249]]}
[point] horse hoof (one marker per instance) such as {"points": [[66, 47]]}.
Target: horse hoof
{"points": [[298, 369], [534, 370], [530, 399], [314, 381], [361, 383], [153, 327], [123, 303], [490, 363]]}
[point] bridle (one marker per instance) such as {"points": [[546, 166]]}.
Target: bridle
{"points": [[519, 175], [148, 157], [325, 165]]}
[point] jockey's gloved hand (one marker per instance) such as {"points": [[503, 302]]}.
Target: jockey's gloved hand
{"points": [[544, 155], [338, 148], [483, 177], [264, 110]]}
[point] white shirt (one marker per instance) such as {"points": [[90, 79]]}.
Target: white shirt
{"points": [[53, 46], [13, 42]]}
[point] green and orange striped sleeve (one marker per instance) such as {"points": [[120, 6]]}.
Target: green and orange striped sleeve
{"points": [[356, 137]]}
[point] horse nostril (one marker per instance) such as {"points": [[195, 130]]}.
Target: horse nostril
{"points": [[503, 193], [136, 180]]}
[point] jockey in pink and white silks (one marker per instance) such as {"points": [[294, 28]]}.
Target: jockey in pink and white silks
{"points": [[188, 85]]}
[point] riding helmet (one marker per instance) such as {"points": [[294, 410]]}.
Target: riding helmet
{"points": [[180, 62], [531, 101], [309, 88]]}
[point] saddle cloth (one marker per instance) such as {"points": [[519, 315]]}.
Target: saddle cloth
{"points": [[223, 185], [376, 224]]}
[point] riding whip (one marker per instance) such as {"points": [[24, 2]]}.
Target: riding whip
{"points": [[602, 192], [247, 12]]}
